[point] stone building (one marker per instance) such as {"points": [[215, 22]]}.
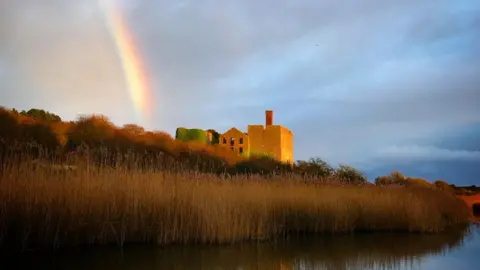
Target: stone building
{"points": [[274, 140]]}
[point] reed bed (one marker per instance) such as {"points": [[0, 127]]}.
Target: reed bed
{"points": [[44, 207]]}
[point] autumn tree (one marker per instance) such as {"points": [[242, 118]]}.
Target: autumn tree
{"points": [[41, 115], [383, 180], [95, 130], [9, 128], [397, 177], [133, 130]]}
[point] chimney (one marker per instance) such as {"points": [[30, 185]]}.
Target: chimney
{"points": [[268, 118]]}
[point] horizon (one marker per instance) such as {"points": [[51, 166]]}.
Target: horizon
{"points": [[377, 85]]}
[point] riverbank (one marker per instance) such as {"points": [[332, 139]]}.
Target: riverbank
{"points": [[45, 208]]}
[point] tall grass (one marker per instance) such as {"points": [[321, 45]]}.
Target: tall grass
{"points": [[53, 207]]}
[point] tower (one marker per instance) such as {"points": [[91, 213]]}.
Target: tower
{"points": [[268, 118]]}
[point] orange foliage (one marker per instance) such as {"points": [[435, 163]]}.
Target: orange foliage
{"points": [[97, 131]]}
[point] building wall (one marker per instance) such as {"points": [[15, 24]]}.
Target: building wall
{"points": [[270, 139], [287, 146], [255, 134], [236, 140], [209, 137], [273, 139]]}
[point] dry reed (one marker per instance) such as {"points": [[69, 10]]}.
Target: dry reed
{"points": [[44, 207]]}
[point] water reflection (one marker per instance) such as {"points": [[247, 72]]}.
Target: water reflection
{"points": [[360, 251]]}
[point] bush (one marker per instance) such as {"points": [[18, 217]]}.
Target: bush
{"points": [[215, 136], [42, 115], [94, 131], [9, 127], [133, 130], [181, 134], [440, 184], [42, 135], [396, 177], [383, 181], [193, 134], [350, 175], [314, 167], [255, 154], [415, 181], [262, 165]]}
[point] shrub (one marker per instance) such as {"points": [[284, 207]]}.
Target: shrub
{"points": [[181, 134], [215, 136], [416, 181], [42, 115], [133, 130], [396, 177], [9, 128], [42, 135], [255, 154], [440, 184], [350, 175], [263, 165], [193, 134], [315, 167], [94, 131], [383, 181]]}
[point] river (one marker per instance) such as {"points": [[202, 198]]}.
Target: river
{"points": [[456, 250]]}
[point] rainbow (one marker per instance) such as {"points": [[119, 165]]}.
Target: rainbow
{"points": [[132, 64]]}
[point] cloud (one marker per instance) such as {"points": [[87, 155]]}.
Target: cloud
{"points": [[416, 153], [62, 51]]}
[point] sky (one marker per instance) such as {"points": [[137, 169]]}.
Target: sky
{"points": [[376, 84]]}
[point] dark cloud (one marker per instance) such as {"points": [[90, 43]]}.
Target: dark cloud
{"points": [[373, 83]]}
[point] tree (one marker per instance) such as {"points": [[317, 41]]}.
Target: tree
{"points": [[440, 184], [41, 115], [42, 134], [95, 130], [416, 181], [315, 167], [397, 177], [181, 133], [9, 129], [215, 136], [350, 175], [383, 181], [134, 130], [193, 134]]}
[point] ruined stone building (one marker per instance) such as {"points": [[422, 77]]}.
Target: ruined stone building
{"points": [[274, 140]]}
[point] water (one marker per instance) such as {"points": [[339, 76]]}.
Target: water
{"points": [[459, 250]]}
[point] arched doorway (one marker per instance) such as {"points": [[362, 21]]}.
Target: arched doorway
{"points": [[476, 209]]}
